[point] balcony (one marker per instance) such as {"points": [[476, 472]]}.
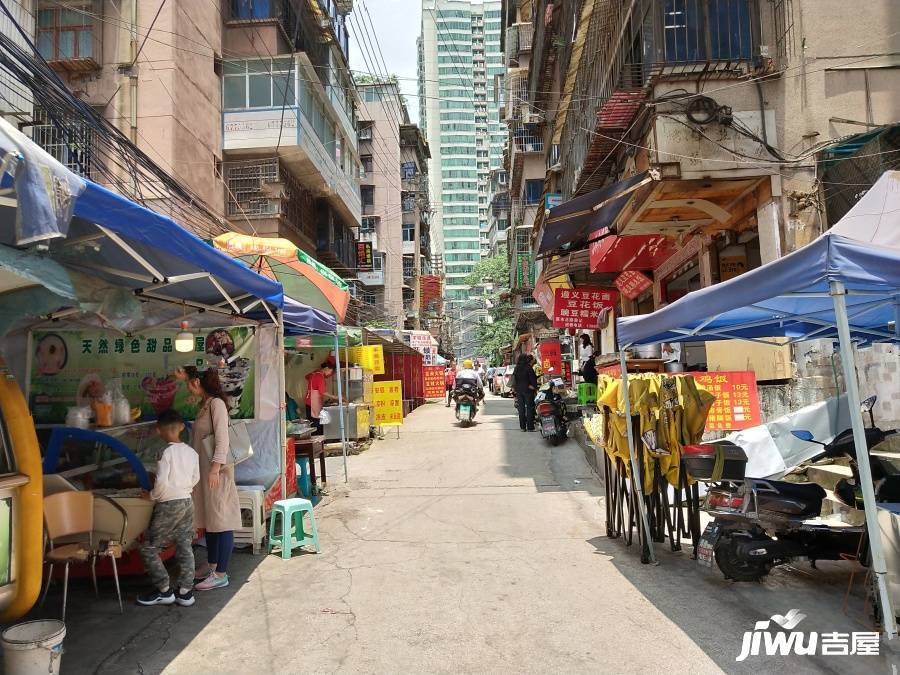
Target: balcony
{"points": [[373, 278], [335, 243], [525, 34], [310, 150], [69, 39], [370, 236], [409, 247]]}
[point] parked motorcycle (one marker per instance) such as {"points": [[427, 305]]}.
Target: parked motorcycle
{"points": [[466, 398], [762, 523], [550, 409]]}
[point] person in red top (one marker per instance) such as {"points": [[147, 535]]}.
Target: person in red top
{"points": [[450, 380], [317, 392]]}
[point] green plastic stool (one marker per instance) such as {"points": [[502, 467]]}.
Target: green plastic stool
{"points": [[587, 393], [292, 533]]}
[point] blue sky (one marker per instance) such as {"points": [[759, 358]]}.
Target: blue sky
{"points": [[396, 26]]}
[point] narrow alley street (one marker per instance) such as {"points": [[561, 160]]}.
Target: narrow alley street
{"points": [[463, 550]]}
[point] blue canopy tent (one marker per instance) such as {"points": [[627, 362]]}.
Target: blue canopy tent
{"points": [[843, 285]]}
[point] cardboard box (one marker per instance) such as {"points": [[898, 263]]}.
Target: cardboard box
{"points": [[768, 362]]}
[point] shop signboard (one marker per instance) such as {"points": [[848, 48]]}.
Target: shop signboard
{"points": [[420, 340], [731, 266], [524, 271], [543, 295], [430, 293], [552, 200], [632, 283], [69, 367], [387, 399], [737, 400], [368, 357], [364, 259], [581, 307], [433, 381], [551, 357]]}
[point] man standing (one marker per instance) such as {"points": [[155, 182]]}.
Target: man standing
{"points": [[450, 380], [526, 384]]}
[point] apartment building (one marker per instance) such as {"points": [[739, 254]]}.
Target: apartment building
{"points": [[498, 211], [288, 122], [16, 102], [393, 188], [716, 135], [461, 73]]}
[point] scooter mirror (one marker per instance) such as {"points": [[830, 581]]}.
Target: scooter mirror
{"points": [[868, 404], [803, 435]]}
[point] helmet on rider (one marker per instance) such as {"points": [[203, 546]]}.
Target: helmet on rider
{"points": [[467, 364]]}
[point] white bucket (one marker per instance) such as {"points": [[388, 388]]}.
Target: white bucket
{"points": [[33, 647]]}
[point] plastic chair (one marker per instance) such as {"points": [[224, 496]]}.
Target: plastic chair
{"points": [[292, 532], [69, 516], [587, 393]]}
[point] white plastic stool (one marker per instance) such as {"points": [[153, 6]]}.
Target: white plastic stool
{"points": [[251, 498]]}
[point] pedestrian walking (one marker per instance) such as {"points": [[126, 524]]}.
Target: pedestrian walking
{"points": [[450, 380], [177, 472], [526, 385]]}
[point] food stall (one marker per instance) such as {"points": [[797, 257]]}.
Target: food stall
{"points": [[845, 285], [101, 299]]}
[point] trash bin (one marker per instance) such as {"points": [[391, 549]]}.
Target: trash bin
{"points": [[33, 647]]}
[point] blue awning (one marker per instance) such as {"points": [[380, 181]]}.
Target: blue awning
{"points": [[300, 319], [790, 296], [578, 218]]}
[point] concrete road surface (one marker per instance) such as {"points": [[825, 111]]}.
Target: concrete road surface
{"points": [[477, 550]]}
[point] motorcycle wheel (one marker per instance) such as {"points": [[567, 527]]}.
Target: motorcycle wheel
{"points": [[736, 568], [554, 440]]}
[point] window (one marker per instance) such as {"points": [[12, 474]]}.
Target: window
{"points": [[409, 267], [534, 189], [408, 202], [407, 170], [65, 32], [696, 30], [367, 165], [409, 232], [245, 10], [366, 297], [367, 195], [73, 148], [259, 83], [368, 224], [365, 131]]}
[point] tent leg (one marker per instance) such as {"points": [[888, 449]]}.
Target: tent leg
{"points": [[862, 452], [635, 473], [337, 357], [282, 408]]}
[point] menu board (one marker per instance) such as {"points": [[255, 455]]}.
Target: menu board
{"points": [[581, 307], [433, 381], [70, 367], [370, 357], [387, 398], [737, 401], [632, 283]]}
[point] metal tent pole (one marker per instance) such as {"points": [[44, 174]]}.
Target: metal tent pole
{"points": [[862, 453], [282, 408], [337, 359], [635, 473]]}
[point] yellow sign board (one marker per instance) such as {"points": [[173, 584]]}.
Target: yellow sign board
{"points": [[387, 399]]}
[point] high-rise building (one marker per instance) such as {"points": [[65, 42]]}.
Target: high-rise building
{"points": [[460, 90]]}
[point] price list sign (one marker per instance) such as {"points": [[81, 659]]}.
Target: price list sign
{"points": [[737, 401], [387, 398], [632, 283], [581, 307], [433, 381]]}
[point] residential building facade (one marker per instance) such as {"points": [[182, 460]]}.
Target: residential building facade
{"points": [[460, 89], [722, 132]]}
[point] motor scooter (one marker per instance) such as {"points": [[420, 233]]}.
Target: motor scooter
{"points": [[466, 397], [550, 409], [762, 523]]}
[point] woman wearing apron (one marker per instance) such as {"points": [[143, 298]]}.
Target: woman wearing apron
{"points": [[216, 506]]}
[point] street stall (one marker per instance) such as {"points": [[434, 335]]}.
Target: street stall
{"points": [[101, 300], [845, 285]]}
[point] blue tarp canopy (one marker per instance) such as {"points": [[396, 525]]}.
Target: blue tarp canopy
{"points": [[117, 240], [300, 319], [790, 296]]}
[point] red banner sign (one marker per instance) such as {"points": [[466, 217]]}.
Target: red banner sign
{"points": [[632, 283], [737, 401], [433, 381], [550, 356], [581, 307]]}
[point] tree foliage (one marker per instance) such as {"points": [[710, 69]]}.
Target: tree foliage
{"points": [[492, 336]]}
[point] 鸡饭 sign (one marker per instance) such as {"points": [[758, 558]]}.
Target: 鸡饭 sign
{"points": [[737, 401], [387, 398], [433, 381], [581, 307]]}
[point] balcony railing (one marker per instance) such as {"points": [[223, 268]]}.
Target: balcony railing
{"points": [[527, 138], [525, 35]]}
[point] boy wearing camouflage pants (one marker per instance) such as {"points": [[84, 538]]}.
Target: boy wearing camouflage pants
{"points": [[177, 473]]}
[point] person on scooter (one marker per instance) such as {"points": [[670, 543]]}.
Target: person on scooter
{"points": [[469, 375], [526, 385]]}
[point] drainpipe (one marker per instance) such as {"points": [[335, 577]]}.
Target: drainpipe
{"points": [[132, 76]]}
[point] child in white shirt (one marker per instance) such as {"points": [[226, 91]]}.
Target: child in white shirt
{"points": [[178, 471]]}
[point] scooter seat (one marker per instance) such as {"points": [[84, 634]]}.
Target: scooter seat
{"points": [[807, 492]]}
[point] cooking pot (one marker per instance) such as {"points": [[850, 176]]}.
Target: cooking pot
{"points": [[648, 351], [674, 367]]}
